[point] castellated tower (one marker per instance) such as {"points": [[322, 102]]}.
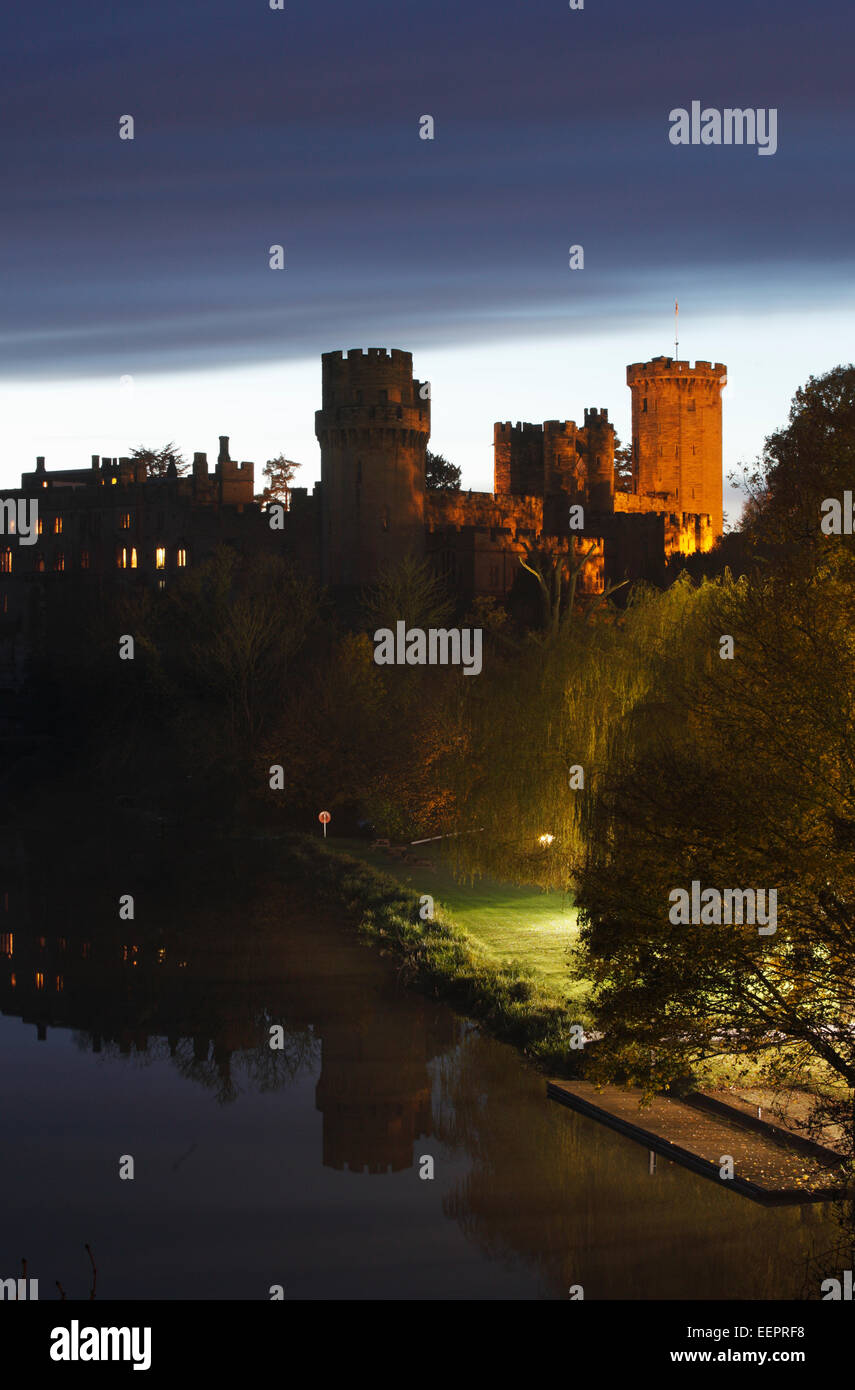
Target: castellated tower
{"points": [[373, 430], [600, 453], [676, 434]]}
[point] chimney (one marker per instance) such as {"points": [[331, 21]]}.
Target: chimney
{"points": [[40, 463], [224, 449]]}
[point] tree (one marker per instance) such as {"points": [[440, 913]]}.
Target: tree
{"points": [[440, 475], [623, 466], [738, 774], [811, 459], [279, 473], [160, 462], [409, 591]]}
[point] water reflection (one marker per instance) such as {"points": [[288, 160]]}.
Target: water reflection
{"points": [[529, 1198]]}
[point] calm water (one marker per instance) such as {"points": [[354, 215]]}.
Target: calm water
{"points": [[300, 1167]]}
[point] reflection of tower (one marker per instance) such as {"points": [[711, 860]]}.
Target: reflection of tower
{"points": [[373, 430], [375, 1096], [676, 433]]}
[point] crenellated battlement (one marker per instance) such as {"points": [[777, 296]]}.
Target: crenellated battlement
{"points": [[673, 367]]}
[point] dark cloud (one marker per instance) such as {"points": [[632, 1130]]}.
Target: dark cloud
{"points": [[300, 127]]}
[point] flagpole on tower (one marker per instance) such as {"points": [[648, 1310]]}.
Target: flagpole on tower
{"points": [[676, 331]]}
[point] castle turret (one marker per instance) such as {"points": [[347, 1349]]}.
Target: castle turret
{"points": [[600, 456], [676, 433], [373, 429]]}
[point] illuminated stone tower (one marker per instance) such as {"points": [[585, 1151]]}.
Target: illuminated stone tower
{"points": [[676, 434], [373, 430]]}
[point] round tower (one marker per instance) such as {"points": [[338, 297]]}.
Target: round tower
{"points": [[373, 430], [676, 434]]}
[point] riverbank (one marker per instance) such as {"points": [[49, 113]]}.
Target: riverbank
{"points": [[514, 1002], [502, 955]]}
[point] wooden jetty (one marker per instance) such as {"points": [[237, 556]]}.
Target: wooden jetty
{"points": [[770, 1166]]}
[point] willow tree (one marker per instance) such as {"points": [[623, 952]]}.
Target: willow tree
{"points": [[537, 729]]}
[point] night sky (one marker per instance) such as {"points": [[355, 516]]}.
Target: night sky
{"points": [[149, 258]]}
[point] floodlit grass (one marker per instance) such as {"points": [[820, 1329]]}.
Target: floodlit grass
{"points": [[526, 926], [505, 995]]}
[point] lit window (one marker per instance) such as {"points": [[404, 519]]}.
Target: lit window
{"points": [[57, 526], [41, 526], [59, 562], [59, 984], [44, 484], [40, 564], [182, 557], [122, 559], [114, 481], [161, 583], [40, 980], [125, 521], [6, 561], [84, 559], [13, 979], [7, 944], [133, 558], [160, 557]]}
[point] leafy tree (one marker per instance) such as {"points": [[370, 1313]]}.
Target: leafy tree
{"points": [[159, 462], [738, 774], [440, 474], [279, 473], [809, 460], [623, 466]]}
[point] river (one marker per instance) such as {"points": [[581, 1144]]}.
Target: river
{"points": [[306, 1167]]}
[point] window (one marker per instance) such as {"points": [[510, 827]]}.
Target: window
{"points": [[122, 558], [41, 526], [44, 484], [40, 564], [182, 557], [84, 559], [133, 557], [125, 521], [59, 562], [160, 557], [57, 526], [6, 561], [384, 397], [114, 481], [161, 583], [40, 980], [644, 406]]}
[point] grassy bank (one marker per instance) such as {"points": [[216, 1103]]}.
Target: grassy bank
{"points": [[438, 956], [505, 921]]}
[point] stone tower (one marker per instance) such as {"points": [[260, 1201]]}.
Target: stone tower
{"points": [[373, 428], [676, 434], [600, 451]]}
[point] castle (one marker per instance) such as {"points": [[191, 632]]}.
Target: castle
{"points": [[114, 523], [373, 429]]}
